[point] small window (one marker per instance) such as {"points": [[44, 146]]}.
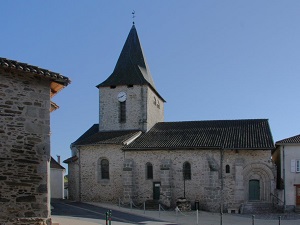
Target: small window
{"points": [[186, 171], [122, 112], [112, 87], [104, 169], [130, 85], [158, 104], [149, 171], [227, 169], [297, 166]]}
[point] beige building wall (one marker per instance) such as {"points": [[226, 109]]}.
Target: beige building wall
{"points": [[57, 183], [292, 177]]}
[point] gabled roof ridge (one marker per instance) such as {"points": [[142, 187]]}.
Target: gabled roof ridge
{"points": [[294, 139], [55, 165], [93, 129], [71, 159], [194, 121], [24, 67], [93, 136]]}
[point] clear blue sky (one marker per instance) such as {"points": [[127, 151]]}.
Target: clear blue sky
{"points": [[209, 59]]}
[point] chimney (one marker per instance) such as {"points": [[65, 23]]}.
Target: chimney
{"points": [[58, 159]]}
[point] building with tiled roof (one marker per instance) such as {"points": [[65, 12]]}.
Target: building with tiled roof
{"points": [[26, 93], [57, 81], [133, 155], [286, 156]]}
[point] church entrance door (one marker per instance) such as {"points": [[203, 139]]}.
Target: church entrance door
{"points": [[254, 190], [156, 190]]}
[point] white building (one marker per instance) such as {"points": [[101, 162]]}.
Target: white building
{"points": [[56, 179], [287, 159]]}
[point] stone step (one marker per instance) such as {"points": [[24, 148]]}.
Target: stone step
{"points": [[152, 204], [297, 209], [259, 208]]}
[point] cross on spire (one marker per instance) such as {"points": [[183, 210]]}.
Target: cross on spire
{"points": [[133, 16]]}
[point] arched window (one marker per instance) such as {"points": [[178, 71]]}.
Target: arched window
{"points": [[149, 171], [104, 169], [227, 169], [186, 171]]}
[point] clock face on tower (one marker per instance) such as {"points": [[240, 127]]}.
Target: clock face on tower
{"points": [[122, 96]]}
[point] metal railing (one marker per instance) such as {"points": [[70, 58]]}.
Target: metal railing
{"points": [[276, 202], [181, 216]]}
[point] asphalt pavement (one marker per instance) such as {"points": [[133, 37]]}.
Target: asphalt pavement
{"points": [[74, 213], [66, 212]]}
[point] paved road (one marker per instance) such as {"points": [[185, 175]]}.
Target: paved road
{"points": [[73, 213], [93, 213]]}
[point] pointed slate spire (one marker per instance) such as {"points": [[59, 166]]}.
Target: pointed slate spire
{"points": [[131, 68]]}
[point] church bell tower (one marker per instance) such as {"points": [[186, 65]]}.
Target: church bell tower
{"points": [[128, 97]]}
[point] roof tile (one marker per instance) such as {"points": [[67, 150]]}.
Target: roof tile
{"points": [[225, 134], [131, 67], [216, 134], [54, 164], [93, 137], [7, 63], [290, 140]]}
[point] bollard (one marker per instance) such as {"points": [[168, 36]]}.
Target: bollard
{"points": [[197, 217], [106, 218], [253, 219], [130, 205], [279, 220], [159, 210], [109, 216], [221, 221], [144, 207]]}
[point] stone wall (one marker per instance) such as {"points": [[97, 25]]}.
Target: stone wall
{"points": [[127, 181], [155, 109], [205, 183], [73, 181], [24, 149], [128, 176], [91, 187], [141, 111]]}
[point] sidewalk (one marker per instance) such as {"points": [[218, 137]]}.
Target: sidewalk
{"points": [[171, 217]]}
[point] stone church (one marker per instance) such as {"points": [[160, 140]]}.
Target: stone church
{"points": [[133, 155]]}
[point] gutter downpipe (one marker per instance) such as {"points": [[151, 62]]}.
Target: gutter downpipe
{"points": [[222, 178], [283, 160], [79, 174]]}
